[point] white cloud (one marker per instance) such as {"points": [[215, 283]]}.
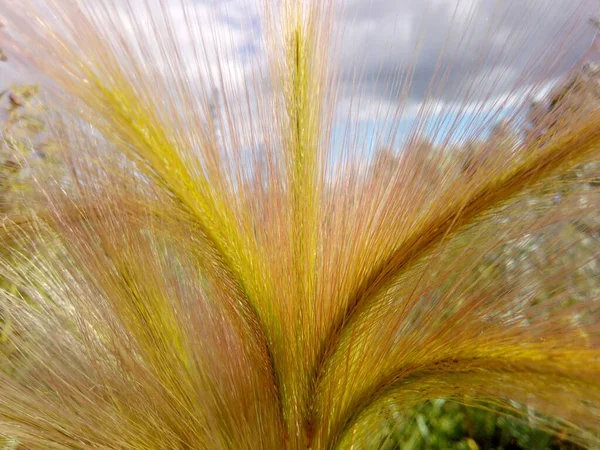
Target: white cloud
{"points": [[437, 48]]}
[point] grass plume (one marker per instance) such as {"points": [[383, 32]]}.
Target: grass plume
{"points": [[225, 260]]}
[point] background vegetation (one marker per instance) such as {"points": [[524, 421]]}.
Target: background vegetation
{"points": [[153, 297]]}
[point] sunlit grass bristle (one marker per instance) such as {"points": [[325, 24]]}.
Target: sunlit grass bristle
{"points": [[226, 259]]}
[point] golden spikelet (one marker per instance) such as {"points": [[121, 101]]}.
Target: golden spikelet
{"points": [[226, 262]]}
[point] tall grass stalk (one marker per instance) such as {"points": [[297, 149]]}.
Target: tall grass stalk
{"points": [[233, 264]]}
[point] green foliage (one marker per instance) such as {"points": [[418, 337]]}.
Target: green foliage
{"points": [[442, 424]]}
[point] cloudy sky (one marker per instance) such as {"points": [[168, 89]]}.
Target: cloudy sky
{"points": [[488, 44], [392, 52]]}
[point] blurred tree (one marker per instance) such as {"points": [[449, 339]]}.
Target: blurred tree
{"points": [[22, 148]]}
